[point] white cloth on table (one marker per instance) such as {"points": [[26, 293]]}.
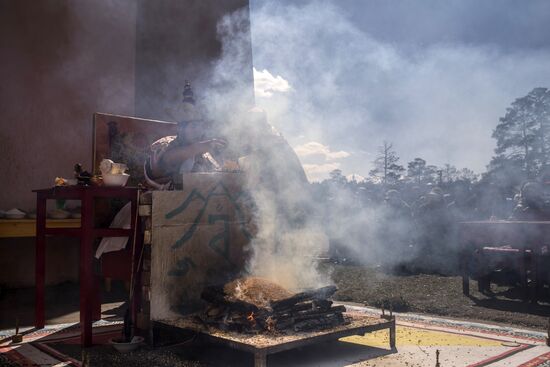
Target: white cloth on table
{"points": [[123, 219]]}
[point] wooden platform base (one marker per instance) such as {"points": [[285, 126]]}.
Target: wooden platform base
{"points": [[261, 345]]}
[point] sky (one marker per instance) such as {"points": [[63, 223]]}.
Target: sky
{"points": [[337, 78]]}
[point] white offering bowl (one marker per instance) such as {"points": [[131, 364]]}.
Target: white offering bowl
{"points": [[124, 347], [119, 180]]}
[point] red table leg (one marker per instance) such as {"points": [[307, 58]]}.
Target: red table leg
{"points": [[86, 274], [96, 310], [40, 262]]}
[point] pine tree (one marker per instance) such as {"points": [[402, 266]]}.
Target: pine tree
{"points": [[419, 172], [336, 177], [523, 141], [386, 167]]}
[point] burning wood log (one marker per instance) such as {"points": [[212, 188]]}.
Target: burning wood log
{"points": [[322, 303], [285, 321], [315, 294], [246, 305], [303, 315], [319, 323]]}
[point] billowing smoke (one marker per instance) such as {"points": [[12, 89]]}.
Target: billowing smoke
{"points": [[288, 239], [349, 90], [336, 92]]}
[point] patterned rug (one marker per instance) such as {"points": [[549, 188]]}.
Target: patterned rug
{"points": [[39, 346]]}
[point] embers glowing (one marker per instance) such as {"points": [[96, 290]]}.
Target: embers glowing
{"points": [[251, 319]]}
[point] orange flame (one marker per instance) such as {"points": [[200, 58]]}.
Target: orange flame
{"points": [[251, 318]]}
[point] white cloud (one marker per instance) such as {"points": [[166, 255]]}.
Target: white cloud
{"points": [[355, 177], [319, 172], [440, 101], [314, 149], [319, 160], [265, 84]]}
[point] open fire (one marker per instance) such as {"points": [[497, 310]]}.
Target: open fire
{"points": [[258, 305]]}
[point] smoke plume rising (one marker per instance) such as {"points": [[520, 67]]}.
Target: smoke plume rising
{"points": [[351, 88], [288, 239], [336, 92]]}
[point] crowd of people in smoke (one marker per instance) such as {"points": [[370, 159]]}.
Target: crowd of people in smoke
{"points": [[410, 215], [413, 225]]}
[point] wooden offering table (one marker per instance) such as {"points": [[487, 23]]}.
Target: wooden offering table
{"points": [[90, 306], [526, 241]]}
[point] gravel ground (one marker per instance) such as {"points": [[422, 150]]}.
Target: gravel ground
{"points": [[436, 295], [430, 294], [105, 355]]}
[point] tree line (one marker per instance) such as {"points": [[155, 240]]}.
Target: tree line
{"points": [[522, 154], [418, 205]]}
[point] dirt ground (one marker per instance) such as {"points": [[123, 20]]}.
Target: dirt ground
{"points": [[430, 294], [105, 355], [436, 295]]}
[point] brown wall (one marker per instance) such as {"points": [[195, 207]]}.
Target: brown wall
{"points": [[62, 60], [178, 41]]}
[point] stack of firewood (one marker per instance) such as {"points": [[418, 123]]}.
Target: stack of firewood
{"points": [[305, 311]]}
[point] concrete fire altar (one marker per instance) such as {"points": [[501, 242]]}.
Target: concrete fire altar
{"points": [[200, 236]]}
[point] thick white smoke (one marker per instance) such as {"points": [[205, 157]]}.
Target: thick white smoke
{"points": [[350, 91], [288, 239], [336, 92]]}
